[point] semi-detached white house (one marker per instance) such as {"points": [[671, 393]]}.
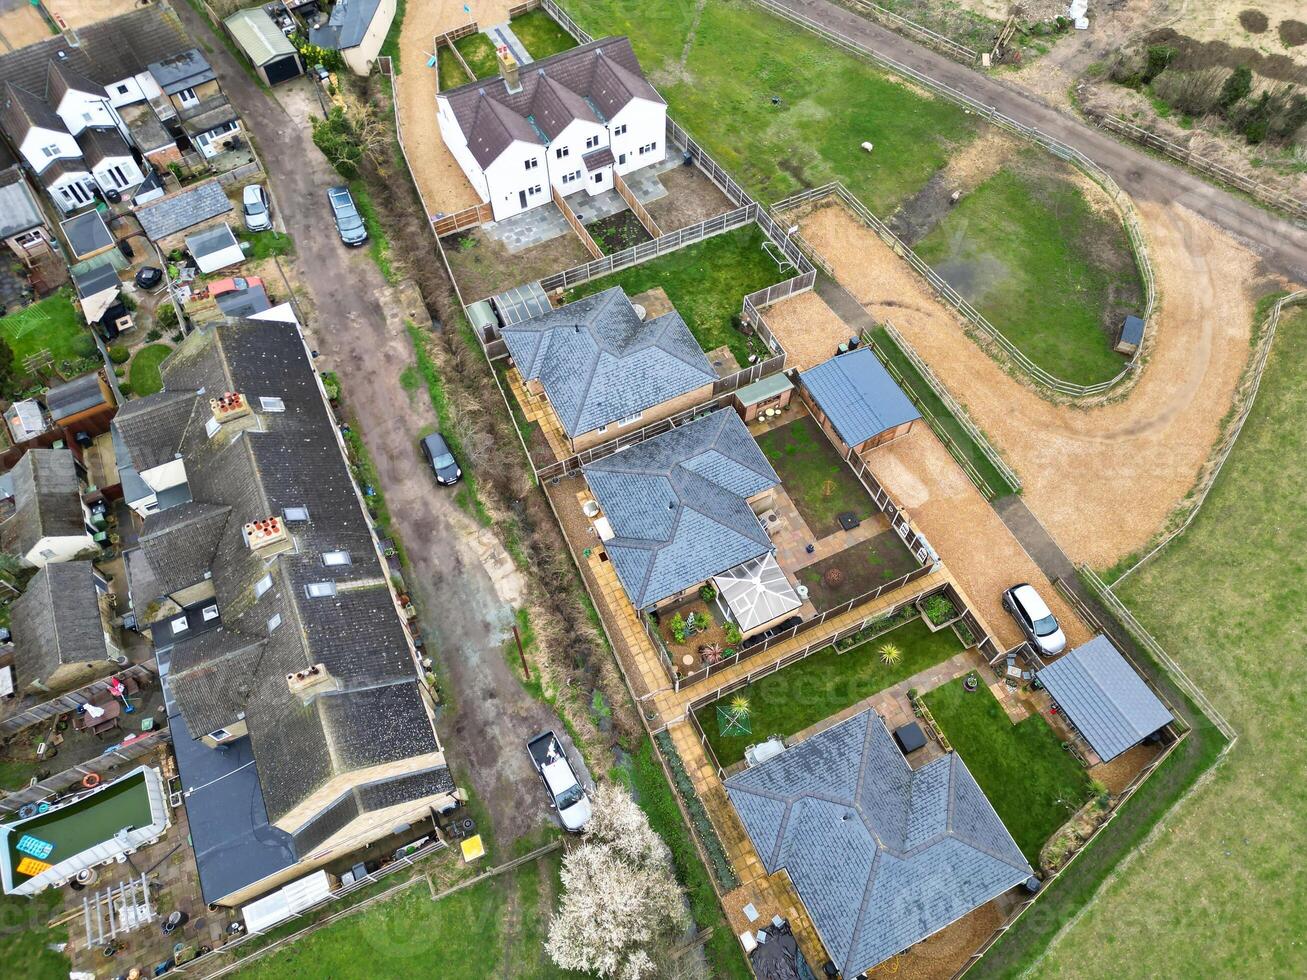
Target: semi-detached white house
{"points": [[570, 121]]}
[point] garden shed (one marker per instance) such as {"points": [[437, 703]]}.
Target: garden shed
{"points": [[1103, 697], [1130, 336], [854, 399], [214, 248], [774, 392]]}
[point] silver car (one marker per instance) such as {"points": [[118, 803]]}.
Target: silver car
{"points": [[1035, 619], [257, 210]]}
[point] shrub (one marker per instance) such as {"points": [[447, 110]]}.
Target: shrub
{"points": [[178, 337], [331, 382], [707, 593], [700, 621], [336, 138], [890, 655], [720, 863], [733, 635], [677, 626], [967, 637], [119, 354], [1194, 93], [1236, 88], [84, 346], [1291, 119], [939, 609], [165, 318], [1158, 57], [125, 387], [153, 334]]}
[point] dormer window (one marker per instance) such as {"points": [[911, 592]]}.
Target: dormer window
{"points": [[51, 151], [187, 95]]}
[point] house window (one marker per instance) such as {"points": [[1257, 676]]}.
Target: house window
{"points": [[568, 178], [274, 622], [562, 151], [299, 514], [262, 586], [631, 419], [210, 613], [602, 429], [535, 190], [591, 142], [119, 178], [51, 151], [532, 163], [187, 96], [320, 590], [47, 553], [619, 130], [336, 558], [599, 177], [269, 404], [179, 625], [221, 735], [648, 148], [122, 89]]}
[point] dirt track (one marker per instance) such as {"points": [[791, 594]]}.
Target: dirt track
{"points": [[442, 183], [1103, 480]]}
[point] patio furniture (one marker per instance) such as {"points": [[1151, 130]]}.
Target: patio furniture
{"points": [[910, 738], [750, 912], [109, 719]]}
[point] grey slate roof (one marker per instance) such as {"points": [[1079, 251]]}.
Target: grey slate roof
{"points": [[210, 677], [256, 470], [593, 81], [87, 232], [678, 505], [47, 500], [599, 362], [881, 856], [57, 621], [180, 542], [598, 159], [150, 428], [96, 279], [62, 78], [19, 211], [102, 144], [348, 23], [1105, 699], [74, 396], [858, 395], [182, 71], [243, 302], [180, 211]]}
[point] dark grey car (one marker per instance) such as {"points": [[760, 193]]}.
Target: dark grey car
{"points": [[442, 461], [349, 223]]}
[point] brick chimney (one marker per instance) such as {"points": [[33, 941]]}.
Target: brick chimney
{"points": [[229, 406], [262, 535], [309, 683], [508, 68]]}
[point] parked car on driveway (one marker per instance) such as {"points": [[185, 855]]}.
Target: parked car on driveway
{"points": [[442, 461], [256, 207], [566, 793], [1035, 619], [349, 223]]}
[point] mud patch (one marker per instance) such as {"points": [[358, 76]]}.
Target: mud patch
{"points": [[795, 170], [1253, 21], [1192, 55], [1293, 33], [965, 171]]}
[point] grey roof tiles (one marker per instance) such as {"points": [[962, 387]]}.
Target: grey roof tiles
{"points": [[180, 211], [47, 500], [881, 856], [857, 394], [1105, 699], [57, 621]]}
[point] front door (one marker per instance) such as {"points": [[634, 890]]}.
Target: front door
{"points": [[521, 198]]}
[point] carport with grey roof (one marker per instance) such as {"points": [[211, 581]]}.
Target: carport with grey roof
{"points": [[881, 855], [599, 362]]}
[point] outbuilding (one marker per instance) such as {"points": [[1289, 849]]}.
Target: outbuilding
{"points": [[269, 50], [854, 399], [773, 392], [1130, 336], [214, 248]]}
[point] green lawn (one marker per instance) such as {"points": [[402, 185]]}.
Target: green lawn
{"points": [[1052, 274], [450, 72], [866, 566], [493, 929], [266, 244], [830, 102], [926, 399], [52, 324], [143, 373], [706, 282], [541, 34], [25, 938], [1226, 600], [825, 683], [1034, 784], [821, 484], [479, 53]]}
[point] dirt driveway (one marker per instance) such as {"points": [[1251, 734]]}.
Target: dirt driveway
{"points": [[463, 579], [21, 24], [1103, 480], [440, 181]]}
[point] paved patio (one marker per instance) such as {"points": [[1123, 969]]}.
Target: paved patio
{"points": [[536, 408]]}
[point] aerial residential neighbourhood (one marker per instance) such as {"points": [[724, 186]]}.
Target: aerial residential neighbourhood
{"points": [[695, 488]]}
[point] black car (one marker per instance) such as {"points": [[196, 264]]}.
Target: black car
{"points": [[442, 461], [148, 276]]}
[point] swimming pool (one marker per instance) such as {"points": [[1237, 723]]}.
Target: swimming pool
{"points": [[92, 829]]}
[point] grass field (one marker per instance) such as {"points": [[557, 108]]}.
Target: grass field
{"points": [[24, 937], [1221, 891], [450, 72], [706, 282], [479, 53], [1033, 783], [1055, 276], [817, 687], [541, 34], [52, 324], [143, 373], [821, 484], [925, 398], [494, 929]]}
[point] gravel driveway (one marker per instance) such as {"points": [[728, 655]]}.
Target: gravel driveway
{"points": [[360, 333]]}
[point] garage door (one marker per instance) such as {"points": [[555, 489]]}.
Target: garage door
{"points": [[282, 69]]}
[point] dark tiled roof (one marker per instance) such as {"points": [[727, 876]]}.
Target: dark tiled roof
{"points": [[96, 279], [63, 167], [180, 211], [87, 233], [102, 144], [372, 796], [349, 22], [858, 395], [182, 71], [211, 675], [62, 78], [243, 302], [180, 542], [209, 114], [57, 621], [593, 81], [151, 428], [881, 856], [678, 505], [1105, 699], [47, 500], [599, 362], [22, 111], [598, 159], [75, 396]]}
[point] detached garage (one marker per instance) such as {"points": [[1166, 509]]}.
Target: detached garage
{"points": [[271, 53], [855, 399], [214, 248]]}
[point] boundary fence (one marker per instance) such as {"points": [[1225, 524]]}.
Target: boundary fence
{"points": [[574, 223], [1056, 147], [639, 210], [923, 35], [99, 766], [71, 701], [1147, 138], [472, 217], [1232, 435]]}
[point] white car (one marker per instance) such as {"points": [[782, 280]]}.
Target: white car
{"points": [[566, 793], [255, 205], [1035, 619]]}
